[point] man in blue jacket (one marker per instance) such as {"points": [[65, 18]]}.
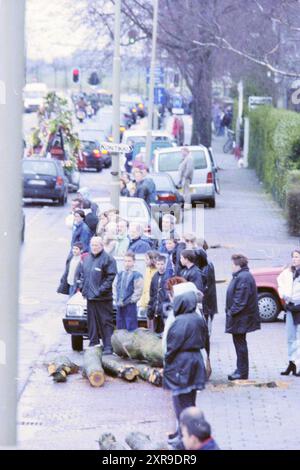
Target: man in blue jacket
{"points": [[137, 244], [196, 431]]}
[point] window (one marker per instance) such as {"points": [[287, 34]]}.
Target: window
{"points": [[171, 161], [40, 168]]}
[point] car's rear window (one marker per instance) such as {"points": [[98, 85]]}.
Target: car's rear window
{"points": [[41, 168], [163, 182], [89, 145], [171, 161]]}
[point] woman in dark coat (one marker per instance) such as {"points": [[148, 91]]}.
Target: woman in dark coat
{"points": [[184, 369], [242, 313]]}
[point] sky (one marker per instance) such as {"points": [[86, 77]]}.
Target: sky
{"points": [[50, 30]]}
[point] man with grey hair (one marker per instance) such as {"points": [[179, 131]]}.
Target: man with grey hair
{"points": [[186, 173], [96, 275], [137, 245], [196, 431]]}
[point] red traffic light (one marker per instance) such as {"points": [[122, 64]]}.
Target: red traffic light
{"points": [[75, 75]]}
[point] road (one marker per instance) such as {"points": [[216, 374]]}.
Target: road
{"points": [[73, 415]]}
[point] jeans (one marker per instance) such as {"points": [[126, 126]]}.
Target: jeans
{"points": [[241, 348], [293, 339], [127, 317]]}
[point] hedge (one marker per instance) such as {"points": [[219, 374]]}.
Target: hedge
{"points": [[274, 149]]}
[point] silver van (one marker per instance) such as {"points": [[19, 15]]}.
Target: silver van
{"points": [[203, 185]]}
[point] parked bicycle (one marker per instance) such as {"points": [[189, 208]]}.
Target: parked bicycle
{"points": [[229, 145]]}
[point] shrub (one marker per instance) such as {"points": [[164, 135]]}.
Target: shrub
{"points": [[293, 202]]}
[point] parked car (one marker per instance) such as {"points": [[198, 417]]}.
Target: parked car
{"points": [[44, 178], [97, 136], [139, 137], [75, 319], [202, 187], [269, 302]]}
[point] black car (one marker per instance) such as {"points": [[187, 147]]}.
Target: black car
{"points": [[166, 191], [44, 178], [97, 136], [92, 154]]}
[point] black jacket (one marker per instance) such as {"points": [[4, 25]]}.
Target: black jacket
{"points": [[64, 287], [146, 190], [184, 367], [194, 275], [96, 276], [158, 295], [209, 303], [242, 313]]}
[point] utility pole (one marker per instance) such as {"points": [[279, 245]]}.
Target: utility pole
{"points": [[11, 108], [152, 82], [115, 185]]}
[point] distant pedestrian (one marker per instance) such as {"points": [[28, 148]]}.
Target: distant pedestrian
{"points": [[289, 290], [96, 275], [81, 232], [190, 271], [128, 288], [242, 314], [158, 295], [68, 284], [186, 173], [151, 269], [122, 239], [196, 431], [137, 243], [124, 191]]}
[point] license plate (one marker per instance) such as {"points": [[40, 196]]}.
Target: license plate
{"points": [[73, 323], [37, 182]]}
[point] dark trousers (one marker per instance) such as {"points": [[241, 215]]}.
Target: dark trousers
{"points": [[100, 322], [241, 348], [158, 324], [182, 401], [127, 317]]}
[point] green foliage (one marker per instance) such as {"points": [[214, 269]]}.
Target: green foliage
{"points": [[274, 149]]}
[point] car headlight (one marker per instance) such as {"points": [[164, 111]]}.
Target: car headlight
{"points": [[74, 311]]}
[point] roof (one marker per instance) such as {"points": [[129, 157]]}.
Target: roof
{"points": [[176, 149]]}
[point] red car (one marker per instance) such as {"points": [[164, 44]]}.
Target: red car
{"points": [[269, 302]]}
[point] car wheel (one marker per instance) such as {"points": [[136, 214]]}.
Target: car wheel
{"points": [[77, 343], [212, 203], [269, 307]]}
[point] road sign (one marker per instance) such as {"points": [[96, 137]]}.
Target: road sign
{"points": [[159, 75], [254, 101], [159, 95], [115, 148]]}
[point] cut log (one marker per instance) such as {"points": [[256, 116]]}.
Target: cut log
{"points": [[62, 362], [92, 366], [117, 367], [108, 442], [150, 374], [140, 344], [140, 441]]}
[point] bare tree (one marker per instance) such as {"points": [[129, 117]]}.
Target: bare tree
{"points": [[197, 34]]}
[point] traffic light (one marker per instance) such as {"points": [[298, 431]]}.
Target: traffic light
{"points": [[75, 75], [132, 36]]}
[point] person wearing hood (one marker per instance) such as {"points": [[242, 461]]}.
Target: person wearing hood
{"points": [[184, 369], [242, 313]]}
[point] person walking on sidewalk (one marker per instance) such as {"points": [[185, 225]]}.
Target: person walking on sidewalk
{"points": [[128, 288], [289, 290], [96, 275], [186, 173], [242, 313]]}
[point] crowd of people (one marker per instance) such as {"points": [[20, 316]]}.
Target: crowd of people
{"points": [[177, 293]]}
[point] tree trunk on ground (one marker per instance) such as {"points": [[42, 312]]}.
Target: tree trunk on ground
{"points": [[92, 366], [140, 344], [202, 99], [60, 367], [108, 442], [149, 374], [117, 367], [140, 441]]}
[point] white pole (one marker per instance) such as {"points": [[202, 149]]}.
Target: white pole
{"points": [[11, 83], [246, 140], [152, 82], [115, 187]]}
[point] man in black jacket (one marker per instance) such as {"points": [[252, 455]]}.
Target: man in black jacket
{"points": [[242, 313], [96, 274], [158, 295], [190, 271]]}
